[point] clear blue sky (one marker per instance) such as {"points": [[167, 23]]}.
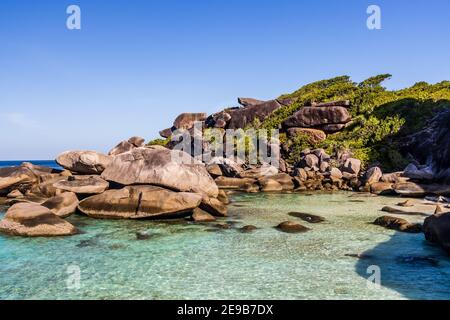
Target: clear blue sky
{"points": [[135, 65]]}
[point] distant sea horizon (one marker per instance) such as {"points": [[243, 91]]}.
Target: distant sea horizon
{"points": [[15, 163]]}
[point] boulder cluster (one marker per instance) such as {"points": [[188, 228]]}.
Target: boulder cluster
{"points": [[139, 181], [316, 170], [131, 182]]}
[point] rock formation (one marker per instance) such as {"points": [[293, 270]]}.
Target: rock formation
{"points": [[33, 220], [310, 117], [162, 167], [84, 162], [137, 202]]}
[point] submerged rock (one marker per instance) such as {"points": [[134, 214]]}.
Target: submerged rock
{"points": [[311, 218], [403, 211], [223, 226], [407, 203], [419, 260], [33, 220], [291, 227], [88, 243], [143, 235], [398, 224], [248, 228], [359, 255], [137, 202]]}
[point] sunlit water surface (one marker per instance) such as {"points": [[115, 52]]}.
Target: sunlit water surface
{"points": [[188, 261]]}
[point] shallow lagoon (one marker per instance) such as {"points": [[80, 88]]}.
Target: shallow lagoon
{"points": [[187, 261]]}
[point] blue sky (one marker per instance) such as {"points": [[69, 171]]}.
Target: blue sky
{"points": [[135, 65]]}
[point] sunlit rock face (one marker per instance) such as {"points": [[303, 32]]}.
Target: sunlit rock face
{"points": [[157, 166]]}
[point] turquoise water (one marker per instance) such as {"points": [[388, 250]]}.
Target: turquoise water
{"points": [[188, 261]]}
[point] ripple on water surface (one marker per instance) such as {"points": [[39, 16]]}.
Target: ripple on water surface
{"points": [[187, 261]]}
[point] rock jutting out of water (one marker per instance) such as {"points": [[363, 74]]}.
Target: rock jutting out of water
{"points": [[291, 227], [248, 228], [33, 220], [398, 224], [311, 218]]}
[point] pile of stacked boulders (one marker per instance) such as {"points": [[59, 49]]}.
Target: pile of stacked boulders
{"points": [[133, 181], [317, 170], [318, 119]]}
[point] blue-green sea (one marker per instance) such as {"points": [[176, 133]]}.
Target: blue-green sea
{"points": [[183, 260]]}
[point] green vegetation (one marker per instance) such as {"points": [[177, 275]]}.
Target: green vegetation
{"points": [[158, 142], [380, 117]]}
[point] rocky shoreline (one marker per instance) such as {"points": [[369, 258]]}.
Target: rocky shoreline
{"points": [[139, 181]]}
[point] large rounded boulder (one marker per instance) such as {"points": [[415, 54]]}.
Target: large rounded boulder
{"points": [[308, 117], [85, 162], [437, 230], [137, 202], [162, 167], [34, 220]]}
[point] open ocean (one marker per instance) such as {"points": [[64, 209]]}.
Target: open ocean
{"points": [[48, 163]]}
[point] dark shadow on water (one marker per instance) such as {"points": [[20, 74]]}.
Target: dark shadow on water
{"points": [[409, 265]]}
